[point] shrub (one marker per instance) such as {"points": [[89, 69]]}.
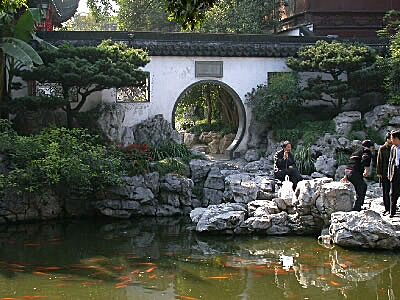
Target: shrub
{"points": [[35, 103], [58, 156], [277, 102], [7, 136], [308, 131], [304, 160]]}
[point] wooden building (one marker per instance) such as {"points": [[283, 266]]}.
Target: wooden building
{"points": [[344, 18]]}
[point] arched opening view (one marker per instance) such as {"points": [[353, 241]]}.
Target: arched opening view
{"points": [[209, 114]]}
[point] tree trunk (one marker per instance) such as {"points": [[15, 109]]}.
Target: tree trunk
{"points": [[3, 83], [209, 107]]}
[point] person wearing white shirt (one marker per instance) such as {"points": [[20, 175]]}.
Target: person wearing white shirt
{"points": [[394, 171]]}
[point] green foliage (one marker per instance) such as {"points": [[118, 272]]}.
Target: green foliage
{"points": [[171, 165], [7, 136], [391, 22], [247, 16], [90, 69], [370, 79], [210, 101], [202, 126], [304, 160], [392, 83], [278, 102], [12, 6], [188, 13], [334, 59], [371, 133], [35, 103], [168, 157], [57, 156], [308, 131], [342, 158], [144, 15]]}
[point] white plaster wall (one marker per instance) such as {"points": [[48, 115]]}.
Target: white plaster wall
{"points": [[170, 76]]}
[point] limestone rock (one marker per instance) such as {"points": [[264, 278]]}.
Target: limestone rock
{"points": [[259, 208], [252, 155], [365, 229], [343, 121], [215, 179], [325, 165], [220, 217], [240, 188], [190, 139], [377, 118], [225, 142], [199, 169], [155, 131], [212, 197], [332, 197]]}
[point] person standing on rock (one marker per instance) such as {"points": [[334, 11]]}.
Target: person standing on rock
{"points": [[284, 164], [382, 163], [356, 169], [394, 171]]}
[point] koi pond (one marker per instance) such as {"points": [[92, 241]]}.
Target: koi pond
{"points": [[162, 258]]}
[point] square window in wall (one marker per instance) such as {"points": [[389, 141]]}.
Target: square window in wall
{"points": [[209, 69], [134, 94], [52, 89]]}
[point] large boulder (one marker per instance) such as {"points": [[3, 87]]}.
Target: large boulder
{"points": [[380, 116], [364, 229], [225, 142], [344, 120], [222, 217], [325, 165], [240, 188], [333, 197], [155, 131], [199, 169]]}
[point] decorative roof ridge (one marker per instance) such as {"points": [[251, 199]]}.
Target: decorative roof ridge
{"points": [[198, 44]]}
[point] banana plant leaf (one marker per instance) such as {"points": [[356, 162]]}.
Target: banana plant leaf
{"points": [[20, 51], [25, 26]]}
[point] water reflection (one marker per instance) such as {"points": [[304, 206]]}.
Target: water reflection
{"points": [[163, 259]]}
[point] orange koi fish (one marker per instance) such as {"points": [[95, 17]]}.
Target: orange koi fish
{"points": [[135, 271], [121, 286], [123, 277], [185, 297], [150, 270], [117, 267], [15, 270], [153, 276], [43, 268], [41, 273], [334, 283], [88, 282], [8, 298], [31, 244], [218, 277]]}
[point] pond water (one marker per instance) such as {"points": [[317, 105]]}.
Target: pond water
{"points": [[163, 259]]}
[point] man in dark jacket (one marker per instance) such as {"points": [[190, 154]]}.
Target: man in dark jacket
{"points": [[382, 162], [284, 164], [394, 171], [356, 169]]}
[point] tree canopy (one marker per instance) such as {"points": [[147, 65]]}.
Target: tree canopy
{"points": [[336, 60], [238, 16], [90, 69]]}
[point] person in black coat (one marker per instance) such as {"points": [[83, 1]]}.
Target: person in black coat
{"points": [[394, 172], [357, 168], [284, 164]]}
